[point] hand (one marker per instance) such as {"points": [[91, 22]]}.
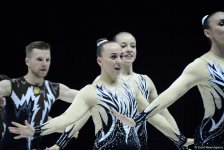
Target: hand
{"points": [[190, 141], [23, 131], [76, 134], [124, 119], [54, 147]]}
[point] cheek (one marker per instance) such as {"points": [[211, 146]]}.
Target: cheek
{"points": [[109, 64], [222, 32], [135, 54], [218, 31], [219, 36], [49, 64], [124, 50], [34, 65], [135, 51]]}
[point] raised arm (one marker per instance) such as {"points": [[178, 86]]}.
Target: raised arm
{"points": [[163, 125], [82, 103], [66, 94], [71, 131], [192, 75], [98, 115], [165, 112]]}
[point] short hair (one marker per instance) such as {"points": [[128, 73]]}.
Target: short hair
{"points": [[118, 34], [38, 45], [4, 77]]}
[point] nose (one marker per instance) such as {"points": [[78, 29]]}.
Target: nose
{"points": [[44, 62], [129, 48], [119, 60]]}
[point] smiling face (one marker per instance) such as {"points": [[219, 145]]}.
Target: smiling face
{"points": [[110, 60], [39, 62], [128, 45]]}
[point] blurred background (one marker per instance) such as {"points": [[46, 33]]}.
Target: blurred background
{"points": [[169, 36]]}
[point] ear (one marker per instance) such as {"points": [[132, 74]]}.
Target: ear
{"points": [[27, 60], [98, 61], [207, 33]]}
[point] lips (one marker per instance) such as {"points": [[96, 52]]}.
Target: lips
{"points": [[43, 70], [128, 55], [117, 68]]}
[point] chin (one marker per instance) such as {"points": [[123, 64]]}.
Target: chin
{"points": [[129, 60], [117, 74], [43, 75]]}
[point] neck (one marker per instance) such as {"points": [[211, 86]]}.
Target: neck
{"points": [[34, 80], [218, 51], [127, 70], [108, 81]]}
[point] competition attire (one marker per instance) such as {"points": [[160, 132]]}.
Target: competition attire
{"points": [[210, 133], [141, 128], [142, 82], [115, 135], [207, 73], [2, 124], [31, 103], [108, 95]]}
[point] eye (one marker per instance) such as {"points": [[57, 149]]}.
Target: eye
{"points": [[48, 60], [133, 46], [123, 45], [221, 23], [39, 59], [113, 57]]}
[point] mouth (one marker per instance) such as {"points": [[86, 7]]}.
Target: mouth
{"points": [[117, 68], [43, 70], [128, 56]]}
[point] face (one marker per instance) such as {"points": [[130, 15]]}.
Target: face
{"points": [[216, 31], [110, 61], [39, 62], [128, 45]]}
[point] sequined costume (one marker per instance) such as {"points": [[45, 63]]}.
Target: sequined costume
{"points": [[207, 73], [210, 133], [27, 102], [115, 135]]}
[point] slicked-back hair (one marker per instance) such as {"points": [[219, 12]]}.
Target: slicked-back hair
{"points": [[206, 21], [100, 43], [36, 45]]}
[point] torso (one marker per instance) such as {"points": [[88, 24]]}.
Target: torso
{"points": [[116, 135], [141, 129], [23, 104], [211, 130]]}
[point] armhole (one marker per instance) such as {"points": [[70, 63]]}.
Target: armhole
{"points": [[58, 91], [55, 88]]}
